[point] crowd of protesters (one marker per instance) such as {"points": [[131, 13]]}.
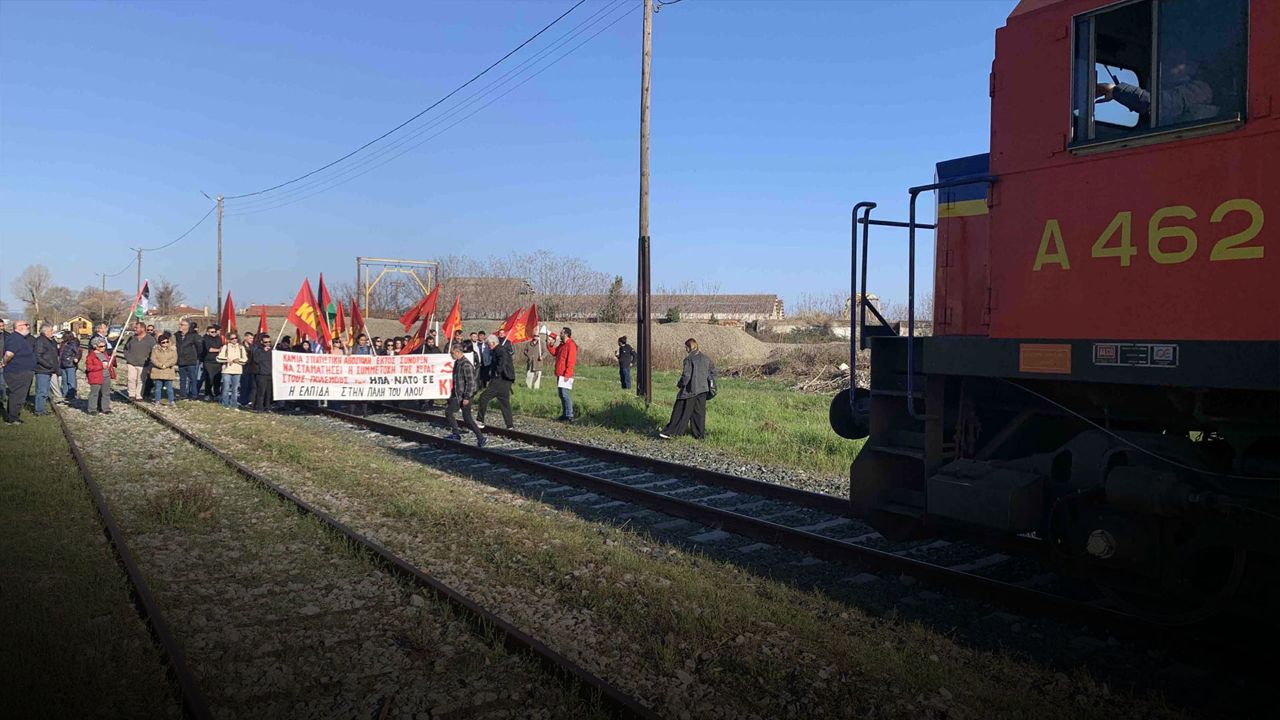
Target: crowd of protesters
{"points": [[236, 370]]}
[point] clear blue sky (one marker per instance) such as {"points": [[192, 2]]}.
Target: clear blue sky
{"points": [[769, 120]]}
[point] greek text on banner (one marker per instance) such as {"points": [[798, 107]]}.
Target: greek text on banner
{"points": [[307, 376]]}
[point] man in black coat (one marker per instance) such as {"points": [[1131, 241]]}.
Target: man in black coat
{"points": [[190, 348], [47, 364], [696, 384], [261, 358], [211, 382], [502, 373], [626, 357]]}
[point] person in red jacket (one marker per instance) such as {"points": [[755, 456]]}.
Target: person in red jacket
{"points": [[97, 365], [566, 354]]}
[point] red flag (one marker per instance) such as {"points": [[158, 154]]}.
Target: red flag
{"points": [[421, 310], [324, 315], [304, 314], [517, 326], [452, 323], [428, 307], [357, 320], [512, 320], [530, 324], [227, 318], [262, 320], [340, 326]]}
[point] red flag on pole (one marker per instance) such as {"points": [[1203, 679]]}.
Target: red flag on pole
{"points": [[304, 314], [421, 310], [452, 323], [340, 326], [517, 325], [531, 323], [427, 308], [262, 319], [227, 317], [357, 320]]}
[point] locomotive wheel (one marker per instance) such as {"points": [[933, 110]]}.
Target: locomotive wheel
{"points": [[1211, 579]]}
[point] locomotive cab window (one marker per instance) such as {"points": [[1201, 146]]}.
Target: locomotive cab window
{"points": [[1156, 66]]}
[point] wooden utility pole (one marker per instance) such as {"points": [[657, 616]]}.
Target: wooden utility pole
{"points": [[644, 327], [219, 300]]}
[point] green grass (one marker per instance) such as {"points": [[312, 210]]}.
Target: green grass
{"points": [[760, 421], [73, 645]]}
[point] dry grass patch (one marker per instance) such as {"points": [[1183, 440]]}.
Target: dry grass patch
{"points": [[690, 634]]}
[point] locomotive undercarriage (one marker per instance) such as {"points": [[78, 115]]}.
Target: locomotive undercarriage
{"points": [[1165, 496]]}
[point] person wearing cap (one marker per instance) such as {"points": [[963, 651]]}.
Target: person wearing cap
{"points": [[566, 353], [98, 370], [211, 378], [19, 365]]}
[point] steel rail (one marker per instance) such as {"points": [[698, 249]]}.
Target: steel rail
{"points": [[591, 687], [976, 586], [829, 504], [194, 703]]}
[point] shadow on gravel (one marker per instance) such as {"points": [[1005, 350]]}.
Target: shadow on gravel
{"points": [[1229, 686]]}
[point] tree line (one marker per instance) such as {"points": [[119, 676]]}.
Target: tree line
{"points": [[45, 301]]}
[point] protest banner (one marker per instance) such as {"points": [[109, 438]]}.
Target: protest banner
{"points": [[307, 376]]}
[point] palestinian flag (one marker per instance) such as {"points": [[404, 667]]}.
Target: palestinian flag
{"points": [[304, 313], [143, 302], [327, 312]]}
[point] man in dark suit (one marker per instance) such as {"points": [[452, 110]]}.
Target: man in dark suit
{"points": [[696, 384], [502, 374], [626, 356]]}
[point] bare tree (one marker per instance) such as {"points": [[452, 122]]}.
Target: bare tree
{"points": [[100, 306], [167, 296], [32, 287], [60, 304]]}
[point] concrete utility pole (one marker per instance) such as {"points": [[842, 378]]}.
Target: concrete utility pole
{"points": [[644, 326], [139, 281], [219, 300], [102, 299]]}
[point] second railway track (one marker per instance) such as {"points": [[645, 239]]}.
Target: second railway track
{"points": [[283, 610], [770, 515]]}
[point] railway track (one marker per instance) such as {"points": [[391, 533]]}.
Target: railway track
{"points": [[192, 698], [765, 514], [482, 625]]}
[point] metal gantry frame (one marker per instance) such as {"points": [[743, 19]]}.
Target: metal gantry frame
{"points": [[384, 266]]}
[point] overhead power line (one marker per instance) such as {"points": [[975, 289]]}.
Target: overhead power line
{"points": [[430, 107], [307, 190], [121, 270], [188, 232]]}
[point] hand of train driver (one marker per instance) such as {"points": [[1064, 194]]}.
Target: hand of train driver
{"points": [[1103, 92]]}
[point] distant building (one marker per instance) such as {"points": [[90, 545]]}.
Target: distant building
{"points": [[272, 310], [485, 297], [871, 298]]}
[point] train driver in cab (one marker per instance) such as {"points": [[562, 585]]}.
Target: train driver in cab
{"points": [[1183, 97]]}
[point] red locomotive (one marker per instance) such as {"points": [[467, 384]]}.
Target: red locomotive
{"points": [[1104, 372]]}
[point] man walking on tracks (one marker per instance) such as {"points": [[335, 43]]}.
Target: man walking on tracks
{"points": [[566, 354], [502, 375], [464, 386], [696, 384]]}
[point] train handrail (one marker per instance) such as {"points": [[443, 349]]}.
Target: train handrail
{"points": [[911, 276]]}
